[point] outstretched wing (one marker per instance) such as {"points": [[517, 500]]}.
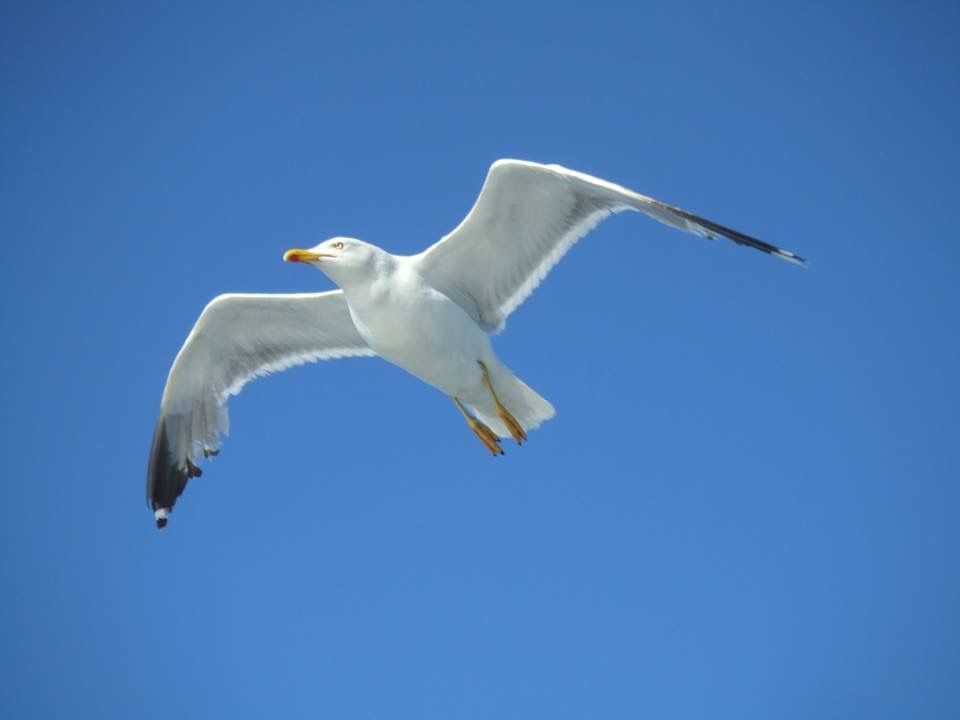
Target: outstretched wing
{"points": [[236, 338], [526, 218]]}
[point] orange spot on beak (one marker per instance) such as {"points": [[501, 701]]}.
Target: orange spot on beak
{"points": [[297, 255]]}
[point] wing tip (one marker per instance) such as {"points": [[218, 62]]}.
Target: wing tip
{"points": [[712, 230], [791, 258], [165, 479]]}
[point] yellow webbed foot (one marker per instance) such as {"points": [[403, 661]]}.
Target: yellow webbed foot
{"points": [[486, 435], [515, 428]]}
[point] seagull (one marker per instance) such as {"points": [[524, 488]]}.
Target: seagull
{"points": [[431, 314]]}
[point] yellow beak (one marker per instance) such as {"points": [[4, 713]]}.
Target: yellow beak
{"points": [[297, 255]]}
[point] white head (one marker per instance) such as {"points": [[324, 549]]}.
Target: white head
{"points": [[344, 260]]}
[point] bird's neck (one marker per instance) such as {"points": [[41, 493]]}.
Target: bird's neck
{"points": [[373, 283]]}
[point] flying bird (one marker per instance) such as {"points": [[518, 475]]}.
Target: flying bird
{"points": [[431, 314]]}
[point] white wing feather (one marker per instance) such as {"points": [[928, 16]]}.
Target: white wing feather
{"points": [[526, 218]]}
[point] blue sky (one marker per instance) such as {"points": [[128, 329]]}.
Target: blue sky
{"points": [[746, 506]]}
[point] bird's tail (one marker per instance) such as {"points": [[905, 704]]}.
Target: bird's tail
{"points": [[526, 406]]}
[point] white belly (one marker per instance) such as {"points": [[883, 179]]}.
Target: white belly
{"points": [[426, 334]]}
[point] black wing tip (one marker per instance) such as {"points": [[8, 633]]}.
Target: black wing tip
{"points": [[742, 239], [791, 258], [161, 515], [166, 480]]}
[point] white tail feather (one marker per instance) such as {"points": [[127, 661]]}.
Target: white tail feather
{"points": [[527, 407]]}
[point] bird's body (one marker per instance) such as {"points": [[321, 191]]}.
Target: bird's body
{"points": [[430, 314], [408, 322], [412, 325]]}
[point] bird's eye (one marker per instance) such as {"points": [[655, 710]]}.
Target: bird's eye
{"points": [[338, 245]]}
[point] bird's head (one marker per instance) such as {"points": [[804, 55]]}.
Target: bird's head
{"points": [[342, 259]]}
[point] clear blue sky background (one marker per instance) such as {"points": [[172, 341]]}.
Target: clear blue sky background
{"points": [[747, 504]]}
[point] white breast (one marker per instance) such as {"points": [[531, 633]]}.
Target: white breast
{"points": [[420, 330]]}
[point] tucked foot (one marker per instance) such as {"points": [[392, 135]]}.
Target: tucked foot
{"points": [[515, 428], [486, 435]]}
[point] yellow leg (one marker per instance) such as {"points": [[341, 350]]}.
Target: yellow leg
{"points": [[516, 430], [486, 435]]}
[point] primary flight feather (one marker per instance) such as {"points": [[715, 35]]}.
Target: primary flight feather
{"points": [[430, 314]]}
